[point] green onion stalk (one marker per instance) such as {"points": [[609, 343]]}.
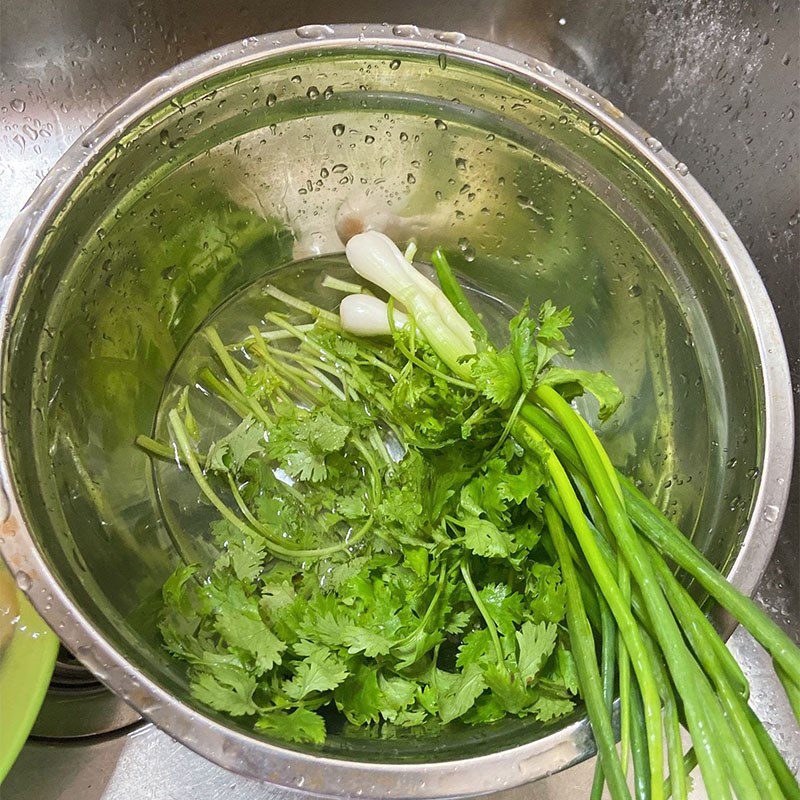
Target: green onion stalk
{"points": [[656, 646]]}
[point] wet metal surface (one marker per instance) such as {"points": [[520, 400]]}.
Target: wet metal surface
{"points": [[715, 82]]}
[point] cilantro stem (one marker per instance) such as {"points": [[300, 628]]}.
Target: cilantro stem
{"points": [[301, 305], [224, 391], [234, 370], [329, 282], [315, 369], [155, 448], [487, 617], [432, 370]]}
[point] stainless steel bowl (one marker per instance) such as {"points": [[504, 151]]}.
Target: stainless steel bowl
{"points": [[233, 164]]}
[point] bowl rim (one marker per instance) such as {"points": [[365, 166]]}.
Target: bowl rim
{"points": [[236, 750]]}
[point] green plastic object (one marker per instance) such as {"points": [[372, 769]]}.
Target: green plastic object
{"points": [[25, 669]]}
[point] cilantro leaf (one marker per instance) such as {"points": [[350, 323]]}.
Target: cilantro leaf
{"points": [[476, 648], [547, 594], [536, 643], [484, 538], [229, 453], [546, 708], [572, 383], [301, 725], [229, 688], [507, 688], [523, 347], [362, 640], [497, 376], [461, 695], [243, 628], [359, 697], [320, 672]]}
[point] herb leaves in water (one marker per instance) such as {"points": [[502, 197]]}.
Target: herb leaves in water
{"points": [[380, 553]]}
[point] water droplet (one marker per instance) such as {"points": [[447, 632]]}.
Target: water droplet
{"points": [[18, 105], [111, 180], [296, 79], [461, 163], [786, 59], [562, 21], [314, 31], [271, 100], [441, 125], [405, 30], [449, 37], [442, 60], [681, 168], [163, 137], [403, 136], [23, 581], [394, 63], [771, 513], [653, 144], [312, 93], [563, 119], [338, 129], [339, 168], [753, 473], [328, 93], [732, 463], [635, 290], [410, 178], [594, 128]]}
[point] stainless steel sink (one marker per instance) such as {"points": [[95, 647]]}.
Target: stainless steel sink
{"points": [[713, 81]]}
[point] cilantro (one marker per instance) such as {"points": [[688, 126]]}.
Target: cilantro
{"points": [[320, 672], [461, 693], [484, 538], [390, 494], [231, 452], [536, 643], [573, 383], [300, 725], [227, 688], [546, 708]]}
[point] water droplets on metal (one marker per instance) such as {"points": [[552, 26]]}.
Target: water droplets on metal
{"points": [[771, 513], [23, 580], [405, 31], [314, 31], [394, 64], [338, 129], [450, 37], [681, 168]]}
